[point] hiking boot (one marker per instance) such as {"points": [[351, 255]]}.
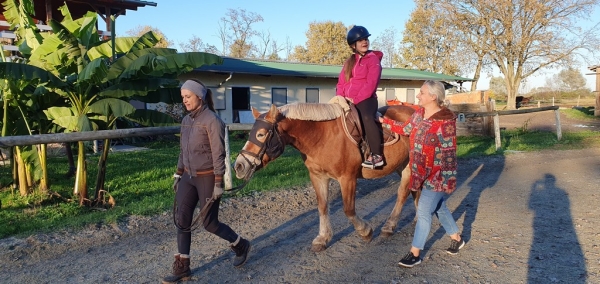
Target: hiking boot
{"points": [[181, 270], [455, 246], [373, 161], [241, 252], [409, 260]]}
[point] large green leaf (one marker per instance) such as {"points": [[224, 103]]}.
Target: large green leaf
{"points": [[124, 63], [35, 75], [112, 107], [88, 34], [139, 87], [155, 63], [184, 62], [141, 67], [17, 14], [94, 72], [67, 122], [151, 118], [75, 123], [124, 45], [147, 40], [50, 45], [56, 112]]}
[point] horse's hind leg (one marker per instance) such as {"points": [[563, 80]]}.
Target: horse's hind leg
{"points": [[403, 191], [348, 187], [321, 184]]}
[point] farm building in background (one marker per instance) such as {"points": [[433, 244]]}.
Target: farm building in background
{"points": [[596, 70], [239, 84]]}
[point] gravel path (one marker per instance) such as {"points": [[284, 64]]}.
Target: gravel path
{"points": [[527, 217]]}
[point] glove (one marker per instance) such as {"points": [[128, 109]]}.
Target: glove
{"points": [[217, 190], [176, 179]]}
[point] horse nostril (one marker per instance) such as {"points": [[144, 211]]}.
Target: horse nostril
{"points": [[238, 167]]}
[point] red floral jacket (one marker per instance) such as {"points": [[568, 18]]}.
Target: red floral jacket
{"points": [[432, 149]]}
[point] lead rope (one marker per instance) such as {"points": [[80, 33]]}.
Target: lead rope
{"points": [[209, 201]]}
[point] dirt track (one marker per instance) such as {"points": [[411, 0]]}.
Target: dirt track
{"points": [[527, 217]]}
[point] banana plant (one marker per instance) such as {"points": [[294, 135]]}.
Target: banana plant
{"points": [[98, 88]]}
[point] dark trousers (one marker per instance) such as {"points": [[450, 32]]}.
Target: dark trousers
{"points": [[190, 192], [368, 110]]}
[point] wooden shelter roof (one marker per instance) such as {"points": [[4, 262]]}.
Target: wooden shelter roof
{"points": [[48, 9]]}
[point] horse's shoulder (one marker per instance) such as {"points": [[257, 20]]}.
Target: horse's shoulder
{"points": [[397, 112]]}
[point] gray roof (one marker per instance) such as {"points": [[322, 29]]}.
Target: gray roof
{"points": [[279, 68]]}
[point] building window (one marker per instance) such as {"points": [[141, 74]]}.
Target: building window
{"points": [[312, 95], [390, 94], [279, 96], [410, 96]]}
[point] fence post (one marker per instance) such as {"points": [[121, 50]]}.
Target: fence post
{"points": [[497, 131], [227, 177], [558, 130]]}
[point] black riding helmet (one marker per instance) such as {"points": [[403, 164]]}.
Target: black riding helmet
{"points": [[357, 33]]}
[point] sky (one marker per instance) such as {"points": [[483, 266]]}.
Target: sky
{"points": [[180, 20]]}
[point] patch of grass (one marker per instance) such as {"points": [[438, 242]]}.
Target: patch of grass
{"points": [[141, 181], [580, 113]]}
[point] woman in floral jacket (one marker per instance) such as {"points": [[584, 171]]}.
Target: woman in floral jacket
{"points": [[432, 134]]}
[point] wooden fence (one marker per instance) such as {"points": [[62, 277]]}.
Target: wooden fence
{"points": [[9, 141], [24, 140], [463, 116]]}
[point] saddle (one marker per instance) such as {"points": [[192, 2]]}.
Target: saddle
{"points": [[353, 126]]}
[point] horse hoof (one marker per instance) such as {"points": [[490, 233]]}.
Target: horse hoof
{"points": [[317, 248], [386, 234], [367, 238]]}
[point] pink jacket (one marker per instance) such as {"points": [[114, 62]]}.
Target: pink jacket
{"points": [[365, 78]]}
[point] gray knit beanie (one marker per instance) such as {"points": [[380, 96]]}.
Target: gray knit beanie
{"points": [[196, 88]]}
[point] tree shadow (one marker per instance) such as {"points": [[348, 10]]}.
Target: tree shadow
{"points": [[555, 254], [478, 177]]}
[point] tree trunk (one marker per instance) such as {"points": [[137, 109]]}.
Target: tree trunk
{"points": [[22, 178], [42, 151], [80, 189], [99, 196], [477, 74]]}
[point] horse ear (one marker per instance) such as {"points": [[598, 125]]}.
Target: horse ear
{"points": [[272, 113], [255, 112]]}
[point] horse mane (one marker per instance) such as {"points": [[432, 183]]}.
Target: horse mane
{"points": [[311, 111]]}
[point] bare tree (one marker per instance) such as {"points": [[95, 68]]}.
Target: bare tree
{"points": [[236, 32], [326, 44], [429, 42], [268, 48], [386, 43], [196, 44], [473, 38], [522, 37], [288, 47], [140, 30]]}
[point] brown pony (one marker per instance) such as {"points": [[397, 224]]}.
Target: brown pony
{"points": [[317, 131]]}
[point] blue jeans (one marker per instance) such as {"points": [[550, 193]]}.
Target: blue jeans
{"points": [[431, 203]]}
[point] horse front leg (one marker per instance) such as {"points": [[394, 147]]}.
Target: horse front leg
{"points": [[348, 187], [403, 191], [320, 183]]}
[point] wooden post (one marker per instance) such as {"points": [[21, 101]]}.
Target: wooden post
{"points": [[558, 130], [227, 177], [497, 131], [48, 12]]}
